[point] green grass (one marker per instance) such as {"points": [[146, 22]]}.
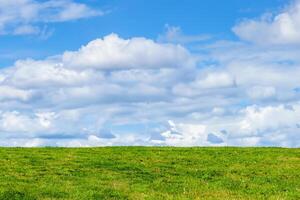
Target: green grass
{"points": [[149, 173]]}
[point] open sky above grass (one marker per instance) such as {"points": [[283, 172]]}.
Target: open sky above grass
{"points": [[130, 72]]}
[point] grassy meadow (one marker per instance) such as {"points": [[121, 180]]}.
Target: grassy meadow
{"points": [[149, 173]]}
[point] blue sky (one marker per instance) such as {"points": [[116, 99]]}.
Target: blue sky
{"points": [[130, 18], [129, 72]]}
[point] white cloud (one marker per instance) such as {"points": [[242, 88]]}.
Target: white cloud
{"points": [[260, 92], [15, 122], [69, 11], [270, 118], [216, 80], [283, 28], [174, 34], [252, 126], [183, 134], [26, 30], [11, 93], [20, 17], [48, 73], [116, 53], [54, 98], [46, 118], [205, 82]]}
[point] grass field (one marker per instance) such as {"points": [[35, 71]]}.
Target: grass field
{"points": [[149, 173]]}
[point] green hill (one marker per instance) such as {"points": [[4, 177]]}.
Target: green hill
{"points": [[149, 173]]}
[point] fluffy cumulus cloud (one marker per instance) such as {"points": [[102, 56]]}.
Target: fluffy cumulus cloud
{"points": [[283, 28], [113, 52], [23, 17], [79, 95], [136, 91]]}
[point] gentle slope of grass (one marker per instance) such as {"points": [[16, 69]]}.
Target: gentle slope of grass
{"points": [[149, 173]]}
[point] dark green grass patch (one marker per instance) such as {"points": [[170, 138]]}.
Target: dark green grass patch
{"points": [[149, 173]]}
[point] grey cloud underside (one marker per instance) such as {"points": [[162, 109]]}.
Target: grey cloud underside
{"points": [[248, 96]]}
